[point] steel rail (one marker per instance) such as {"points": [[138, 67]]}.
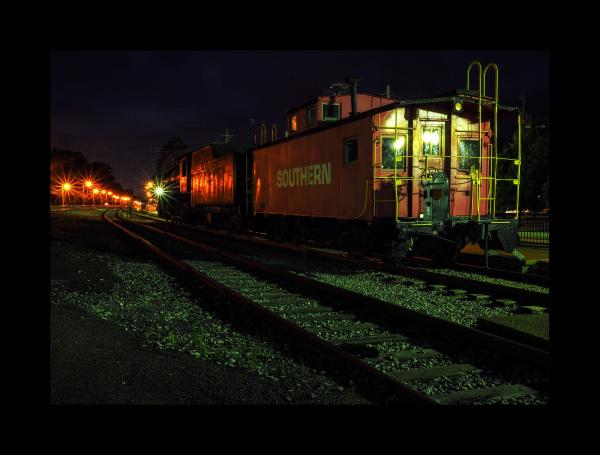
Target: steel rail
{"points": [[521, 295], [398, 390], [493, 342]]}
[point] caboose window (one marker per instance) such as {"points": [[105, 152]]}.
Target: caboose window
{"points": [[468, 153], [310, 117], [432, 137], [331, 111], [294, 123], [393, 149], [350, 150]]}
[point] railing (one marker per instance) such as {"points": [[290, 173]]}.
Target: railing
{"points": [[534, 229]]}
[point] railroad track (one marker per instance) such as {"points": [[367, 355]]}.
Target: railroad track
{"points": [[539, 280], [411, 356], [505, 295], [382, 261]]}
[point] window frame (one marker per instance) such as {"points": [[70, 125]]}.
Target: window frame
{"points": [[404, 155], [458, 156], [345, 154], [436, 126], [292, 129], [339, 111]]}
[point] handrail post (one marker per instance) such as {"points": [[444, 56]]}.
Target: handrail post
{"points": [[479, 123], [495, 132], [518, 165]]}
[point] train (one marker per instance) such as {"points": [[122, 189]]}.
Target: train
{"points": [[364, 172]]}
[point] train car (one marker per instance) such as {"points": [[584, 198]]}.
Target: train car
{"points": [[175, 202], [213, 184], [406, 176]]}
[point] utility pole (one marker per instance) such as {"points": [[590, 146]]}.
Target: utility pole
{"points": [[227, 136]]}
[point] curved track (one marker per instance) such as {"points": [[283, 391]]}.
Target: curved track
{"points": [[373, 340]]}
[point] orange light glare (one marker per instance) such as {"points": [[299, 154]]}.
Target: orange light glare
{"points": [[96, 190], [66, 186], [103, 191], [88, 183], [109, 193]]}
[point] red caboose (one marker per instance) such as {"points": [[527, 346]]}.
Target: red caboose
{"points": [[422, 171]]}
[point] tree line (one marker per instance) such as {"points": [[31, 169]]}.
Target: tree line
{"points": [[69, 166]]}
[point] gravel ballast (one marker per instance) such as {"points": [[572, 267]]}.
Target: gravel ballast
{"points": [[160, 322]]}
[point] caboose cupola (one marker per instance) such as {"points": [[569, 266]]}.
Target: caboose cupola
{"points": [[340, 101]]}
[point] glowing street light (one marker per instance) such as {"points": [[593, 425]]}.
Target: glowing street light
{"points": [[65, 188], [88, 183], [159, 191]]}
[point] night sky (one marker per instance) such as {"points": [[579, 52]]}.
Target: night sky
{"points": [[121, 107]]}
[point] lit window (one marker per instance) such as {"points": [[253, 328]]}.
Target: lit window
{"points": [[331, 111], [393, 149], [432, 137], [294, 123], [350, 150], [468, 152], [310, 117]]}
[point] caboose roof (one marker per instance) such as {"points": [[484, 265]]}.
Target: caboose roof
{"points": [[323, 95], [464, 96]]}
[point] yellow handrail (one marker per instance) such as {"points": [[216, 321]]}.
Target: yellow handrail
{"points": [[519, 165], [495, 149], [479, 123]]}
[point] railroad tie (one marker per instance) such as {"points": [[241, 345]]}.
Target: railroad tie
{"points": [[504, 391], [286, 301], [324, 317], [479, 296], [373, 339], [532, 309], [405, 355], [457, 292], [344, 328], [307, 310], [437, 287], [459, 369]]}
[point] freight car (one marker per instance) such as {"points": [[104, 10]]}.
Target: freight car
{"points": [[371, 173], [209, 185]]}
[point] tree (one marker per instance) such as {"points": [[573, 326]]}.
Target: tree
{"points": [[169, 153], [535, 168], [72, 166]]}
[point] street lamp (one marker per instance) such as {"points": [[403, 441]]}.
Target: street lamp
{"points": [[87, 184], [96, 191], [66, 187]]}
